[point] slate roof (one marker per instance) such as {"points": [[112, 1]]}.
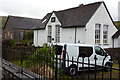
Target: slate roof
{"points": [[23, 23], [116, 35], [77, 16]]}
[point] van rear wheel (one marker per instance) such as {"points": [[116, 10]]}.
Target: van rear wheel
{"points": [[72, 70]]}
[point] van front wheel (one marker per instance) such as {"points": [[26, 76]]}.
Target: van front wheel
{"points": [[72, 70]]}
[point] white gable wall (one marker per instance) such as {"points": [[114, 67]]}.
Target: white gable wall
{"points": [[41, 37], [101, 17], [53, 24]]}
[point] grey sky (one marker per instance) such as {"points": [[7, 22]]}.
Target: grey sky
{"points": [[39, 8]]}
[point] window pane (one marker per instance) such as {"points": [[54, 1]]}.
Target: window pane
{"points": [[105, 34], [97, 34], [99, 51], [57, 33], [49, 38], [85, 51], [53, 19]]}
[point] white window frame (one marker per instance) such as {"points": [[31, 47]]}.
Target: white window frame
{"points": [[53, 19], [21, 34], [97, 33], [105, 33], [57, 33], [49, 37]]}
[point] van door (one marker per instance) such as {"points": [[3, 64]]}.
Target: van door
{"points": [[100, 55]]}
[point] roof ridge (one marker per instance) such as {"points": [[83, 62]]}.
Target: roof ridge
{"points": [[23, 17], [79, 6]]}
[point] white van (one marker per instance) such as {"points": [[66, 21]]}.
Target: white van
{"points": [[78, 51]]}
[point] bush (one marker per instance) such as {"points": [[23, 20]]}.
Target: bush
{"points": [[11, 43], [41, 55], [8, 43]]}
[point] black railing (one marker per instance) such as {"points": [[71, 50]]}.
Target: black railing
{"points": [[47, 64]]}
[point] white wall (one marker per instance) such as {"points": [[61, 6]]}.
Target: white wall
{"points": [[119, 41], [67, 35], [42, 37], [115, 42], [101, 16], [39, 37], [81, 35], [35, 37]]}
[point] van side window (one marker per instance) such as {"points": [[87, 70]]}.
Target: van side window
{"points": [[58, 49], [99, 51], [85, 51]]}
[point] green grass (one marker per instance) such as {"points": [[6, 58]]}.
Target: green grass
{"points": [[115, 65], [117, 23], [18, 62]]}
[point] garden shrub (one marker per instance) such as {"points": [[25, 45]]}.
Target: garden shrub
{"points": [[41, 56], [8, 43]]}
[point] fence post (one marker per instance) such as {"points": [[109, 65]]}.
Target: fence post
{"points": [[111, 70], [56, 68], [88, 68], [72, 64], [95, 57], [103, 67], [119, 69]]}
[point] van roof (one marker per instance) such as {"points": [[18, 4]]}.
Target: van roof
{"points": [[74, 44]]}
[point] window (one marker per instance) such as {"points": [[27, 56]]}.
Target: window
{"points": [[8, 33], [99, 51], [5, 35], [11, 35], [85, 51], [57, 33], [97, 34], [105, 34], [21, 34], [49, 38], [53, 19]]}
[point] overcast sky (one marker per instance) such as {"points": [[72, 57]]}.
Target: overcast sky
{"points": [[39, 8]]}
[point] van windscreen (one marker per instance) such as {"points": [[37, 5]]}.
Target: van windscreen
{"points": [[85, 51], [58, 49]]}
